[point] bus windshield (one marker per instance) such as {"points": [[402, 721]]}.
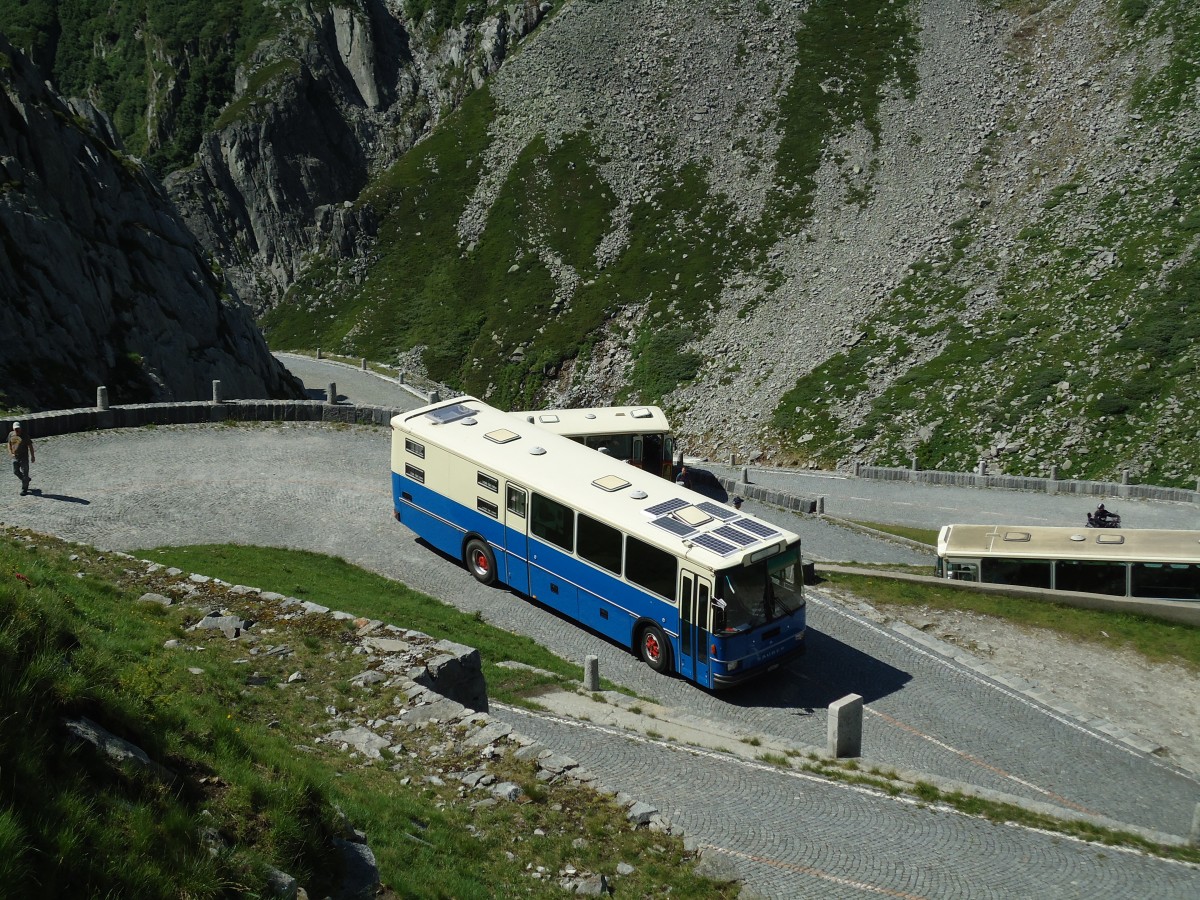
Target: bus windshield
{"points": [[759, 593]]}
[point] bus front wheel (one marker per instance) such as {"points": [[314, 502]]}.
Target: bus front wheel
{"points": [[480, 561], [655, 651]]}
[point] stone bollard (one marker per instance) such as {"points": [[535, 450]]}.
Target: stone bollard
{"points": [[1194, 839], [745, 474], [732, 459], [364, 364], [217, 392], [331, 393], [319, 353], [435, 397], [914, 463], [821, 506], [857, 469], [591, 673], [400, 376], [844, 728], [102, 398]]}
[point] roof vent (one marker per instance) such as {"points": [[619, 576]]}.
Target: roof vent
{"points": [[611, 483]]}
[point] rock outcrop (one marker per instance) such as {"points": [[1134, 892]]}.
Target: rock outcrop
{"points": [[100, 281], [338, 95]]}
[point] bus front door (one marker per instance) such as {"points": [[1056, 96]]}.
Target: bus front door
{"points": [[695, 593], [516, 538]]}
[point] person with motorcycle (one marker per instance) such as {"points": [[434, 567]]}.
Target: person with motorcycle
{"points": [[1103, 518]]}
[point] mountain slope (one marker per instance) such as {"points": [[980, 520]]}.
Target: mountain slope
{"points": [[102, 284], [862, 230]]}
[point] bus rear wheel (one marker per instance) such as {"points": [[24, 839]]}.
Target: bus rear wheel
{"points": [[654, 649], [480, 561]]}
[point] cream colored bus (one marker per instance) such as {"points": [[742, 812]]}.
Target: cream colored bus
{"points": [[1124, 562], [640, 435]]}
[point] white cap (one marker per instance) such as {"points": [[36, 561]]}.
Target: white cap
{"points": [[16, 425]]}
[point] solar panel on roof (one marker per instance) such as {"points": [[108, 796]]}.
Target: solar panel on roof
{"points": [[755, 527], [682, 529], [713, 543], [667, 506], [717, 512], [449, 414], [736, 535]]}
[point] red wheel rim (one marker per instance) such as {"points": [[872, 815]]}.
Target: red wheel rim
{"points": [[652, 648], [481, 562]]}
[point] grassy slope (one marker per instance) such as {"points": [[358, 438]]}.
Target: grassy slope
{"points": [[74, 641]]}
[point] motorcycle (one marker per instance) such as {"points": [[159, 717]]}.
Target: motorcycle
{"points": [[1112, 520]]}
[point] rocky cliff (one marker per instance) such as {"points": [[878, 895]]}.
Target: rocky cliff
{"points": [[338, 94], [100, 281]]}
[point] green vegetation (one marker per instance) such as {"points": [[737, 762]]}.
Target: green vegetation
{"points": [[849, 53], [328, 581], [493, 316], [224, 720], [1156, 640], [921, 535], [162, 69]]}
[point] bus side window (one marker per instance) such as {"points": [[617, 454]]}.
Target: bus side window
{"points": [[957, 571], [516, 501]]}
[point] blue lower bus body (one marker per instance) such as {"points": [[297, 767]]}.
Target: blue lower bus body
{"points": [[593, 597]]}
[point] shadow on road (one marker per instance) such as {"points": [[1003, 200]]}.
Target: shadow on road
{"points": [[61, 497], [827, 672]]}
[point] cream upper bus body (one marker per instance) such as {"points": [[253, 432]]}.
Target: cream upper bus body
{"points": [[600, 420], [481, 439], [1052, 542]]}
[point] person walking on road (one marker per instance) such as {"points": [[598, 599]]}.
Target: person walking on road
{"points": [[20, 448]]}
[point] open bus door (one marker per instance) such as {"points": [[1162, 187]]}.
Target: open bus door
{"points": [[695, 594]]}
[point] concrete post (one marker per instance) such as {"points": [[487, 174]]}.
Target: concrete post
{"points": [[319, 353], [821, 506], [981, 469], [733, 459], [400, 376], [745, 474], [435, 397], [591, 673], [364, 364], [914, 462], [1194, 838], [844, 727], [857, 468], [216, 391], [331, 394], [102, 398]]}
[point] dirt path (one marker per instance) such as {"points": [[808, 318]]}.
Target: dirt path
{"points": [[1158, 702]]}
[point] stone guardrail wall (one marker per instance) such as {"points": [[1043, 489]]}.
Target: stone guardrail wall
{"points": [[1051, 485], [67, 421], [781, 499]]}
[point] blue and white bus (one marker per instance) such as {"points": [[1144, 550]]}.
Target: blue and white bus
{"points": [[692, 586]]}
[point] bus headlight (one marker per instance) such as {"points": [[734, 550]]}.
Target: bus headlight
{"points": [[733, 665]]}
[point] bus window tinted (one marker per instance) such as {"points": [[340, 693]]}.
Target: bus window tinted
{"points": [[599, 543], [1092, 577], [553, 522], [1176, 581], [650, 567], [1026, 572]]}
